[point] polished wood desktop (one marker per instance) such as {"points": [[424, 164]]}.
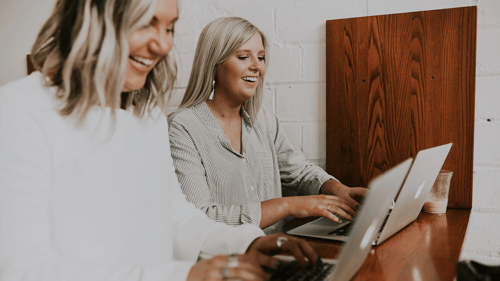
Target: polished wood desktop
{"points": [[427, 249]]}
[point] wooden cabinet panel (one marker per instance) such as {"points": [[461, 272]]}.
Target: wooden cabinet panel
{"points": [[397, 84]]}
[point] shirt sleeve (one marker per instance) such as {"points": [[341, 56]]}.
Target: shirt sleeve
{"points": [[296, 173], [195, 234], [26, 249], [192, 178]]}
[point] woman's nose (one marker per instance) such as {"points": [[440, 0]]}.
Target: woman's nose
{"points": [[255, 64], [162, 43]]}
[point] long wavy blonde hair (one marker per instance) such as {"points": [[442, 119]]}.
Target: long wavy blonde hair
{"points": [[83, 48], [218, 41]]}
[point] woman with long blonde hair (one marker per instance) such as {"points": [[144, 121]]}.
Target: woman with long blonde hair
{"points": [[87, 185], [232, 157]]}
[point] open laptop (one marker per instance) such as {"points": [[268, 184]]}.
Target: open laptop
{"points": [[410, 200], [369, 219]]}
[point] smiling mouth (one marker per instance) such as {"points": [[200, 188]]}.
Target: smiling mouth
{"points": [[249, 79], [141, 61]]}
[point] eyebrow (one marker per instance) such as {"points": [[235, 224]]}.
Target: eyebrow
{"points": [[249, 51], [155, 20]]}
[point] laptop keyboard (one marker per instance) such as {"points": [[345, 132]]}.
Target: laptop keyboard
{"points": [[292, 271]]}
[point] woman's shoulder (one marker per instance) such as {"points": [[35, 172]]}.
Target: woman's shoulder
{"points": [[185, 116], [265, 114], [179, 115], [28, 92], [266, 119]]}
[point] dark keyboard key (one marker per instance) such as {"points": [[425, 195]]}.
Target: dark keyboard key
{"points": [[292, 271]]}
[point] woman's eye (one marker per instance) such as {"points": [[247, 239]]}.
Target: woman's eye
{"points": [[243, 57], [148, 25], [171, 29], [262, 58]]}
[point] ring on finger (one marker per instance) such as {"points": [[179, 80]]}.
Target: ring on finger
{"points": [[232, 261], [329, 207], [281, 241]]}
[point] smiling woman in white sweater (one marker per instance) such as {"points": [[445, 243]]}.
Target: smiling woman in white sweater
{"points": [[87, 185]]}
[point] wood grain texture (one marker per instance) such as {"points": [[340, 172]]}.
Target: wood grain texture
{"points": [[427, 249], [397, 84]]}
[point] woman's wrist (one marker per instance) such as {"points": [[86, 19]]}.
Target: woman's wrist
{"points": [[274, 210], [331, 187], [286, 205]]}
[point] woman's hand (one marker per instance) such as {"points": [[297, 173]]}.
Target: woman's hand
{"points": [[320, 206], [328, 206], [247, 267], [351, 195], [265, 246]]}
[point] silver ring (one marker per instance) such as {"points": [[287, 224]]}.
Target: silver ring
{"points": [[329, 207], [281, 241], [232, 261]]}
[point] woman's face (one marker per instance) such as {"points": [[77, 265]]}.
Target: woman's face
{"points": [[238, 77], [148, 44]]}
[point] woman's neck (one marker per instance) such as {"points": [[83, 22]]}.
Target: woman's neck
{"points": [[224, 111]]}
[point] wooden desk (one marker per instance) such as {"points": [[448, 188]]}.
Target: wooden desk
{"points": [[428, 249]]}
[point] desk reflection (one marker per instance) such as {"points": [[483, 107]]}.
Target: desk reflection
{"points": [[427, 249]]}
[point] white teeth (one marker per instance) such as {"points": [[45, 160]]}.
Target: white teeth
{"points": [[143, 61], [249, 79]]}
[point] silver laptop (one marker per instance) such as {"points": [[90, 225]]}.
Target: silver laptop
{"points": [[369, 219], [406, 209]]}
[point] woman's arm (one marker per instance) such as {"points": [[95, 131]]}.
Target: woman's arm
{"points": [[305, 178], [296, 173], [302, 176]]}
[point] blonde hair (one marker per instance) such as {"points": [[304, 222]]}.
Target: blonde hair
{"points": [[83, 49], [218, 41]]}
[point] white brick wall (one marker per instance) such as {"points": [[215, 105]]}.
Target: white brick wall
{"points": [[295, 80], [482, 241]]}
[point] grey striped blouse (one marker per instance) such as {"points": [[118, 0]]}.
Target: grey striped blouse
{"points": [[229, 186]]}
